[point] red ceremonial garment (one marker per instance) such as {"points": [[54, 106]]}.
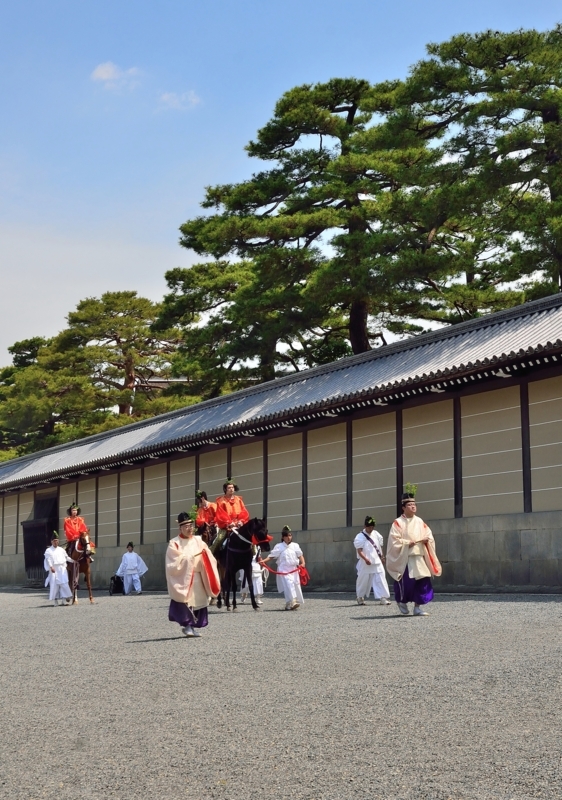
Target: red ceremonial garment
{"points": [[230, 509], [73, 527], [206, 515]]}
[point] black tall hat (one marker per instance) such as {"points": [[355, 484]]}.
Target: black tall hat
{"points": [[407, 497], [183, 516]]}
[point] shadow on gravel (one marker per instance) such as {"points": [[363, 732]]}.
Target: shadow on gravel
{"points": [[162, 639], [498, 597], [380, 619]]}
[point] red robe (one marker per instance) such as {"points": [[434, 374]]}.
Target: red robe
{"points": [[73, 527], [230, 510], [206, 515]]}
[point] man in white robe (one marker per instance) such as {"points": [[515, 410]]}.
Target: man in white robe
{"points": [[289, 557], [131, 570], [57, 577], [370, 566]]}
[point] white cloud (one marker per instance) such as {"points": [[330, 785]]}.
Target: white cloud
{"points": [[113, 77], [179, 102]]}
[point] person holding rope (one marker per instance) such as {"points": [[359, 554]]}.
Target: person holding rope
{"points": [[411, 558], [289, 558], [370, 565], [57, 577], [230, 513]]}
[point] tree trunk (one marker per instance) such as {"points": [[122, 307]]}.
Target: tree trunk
{"points": [[128, 384], [358, 331]]}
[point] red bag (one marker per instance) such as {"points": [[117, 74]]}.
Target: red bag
{"points": [[304, 576]]}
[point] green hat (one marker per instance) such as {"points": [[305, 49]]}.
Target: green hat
{"points": [[54, 536], [286, 529], [370, 522]]}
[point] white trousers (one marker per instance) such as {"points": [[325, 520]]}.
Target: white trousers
{"points": [[58, 590], [130, 580], [290, 585], [257, 583], [372, 580]]}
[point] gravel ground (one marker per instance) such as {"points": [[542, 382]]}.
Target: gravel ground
{"points": [[332, 701]]}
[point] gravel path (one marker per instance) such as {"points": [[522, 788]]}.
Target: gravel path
{"points": [[330, 702]]}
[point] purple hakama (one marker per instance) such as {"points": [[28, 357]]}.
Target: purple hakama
{"points": [[409, 590], [184, 615]]}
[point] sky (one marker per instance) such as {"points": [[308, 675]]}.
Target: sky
{"points": [[117, 115]]}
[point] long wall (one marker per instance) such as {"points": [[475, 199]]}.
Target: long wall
{"points": [[475, 458]]}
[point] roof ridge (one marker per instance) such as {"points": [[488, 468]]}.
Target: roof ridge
{"points": [[414, 342]]}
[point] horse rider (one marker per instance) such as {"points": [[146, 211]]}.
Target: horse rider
{"points": [[74, 527], [230, 513], [206, 511]]}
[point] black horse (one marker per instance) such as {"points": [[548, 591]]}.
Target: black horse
{"points": [[239, 556]]}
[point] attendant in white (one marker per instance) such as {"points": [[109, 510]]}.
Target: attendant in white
{"points": [[131, 569], [257, 578], [370, 565], [289, 557], [55, 566]]}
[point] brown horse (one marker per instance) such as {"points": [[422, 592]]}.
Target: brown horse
{"points": [[78, 552]]}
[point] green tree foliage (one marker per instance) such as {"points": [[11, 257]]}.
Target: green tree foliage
{"points": [[96, 374], [494, 101], [380, 208]]}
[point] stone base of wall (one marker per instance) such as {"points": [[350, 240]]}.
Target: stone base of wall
{"points": [[499, 553]]}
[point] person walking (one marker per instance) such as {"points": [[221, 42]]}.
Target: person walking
{"points": [[289, 557], [131, 570], [370, 565], [55, 565], [192, 578], [411, 559]]}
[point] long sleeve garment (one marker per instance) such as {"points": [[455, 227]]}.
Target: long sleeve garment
{"points": [[369, 551], [58, 580], [131, 564], [73, 527], [191, 572], [206, 515], [287, 557], [230, 509], [421, 560]]}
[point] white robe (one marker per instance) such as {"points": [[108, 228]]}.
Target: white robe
{"points": [[58, 580], [131, 569], [287, 556], [370, 576]]}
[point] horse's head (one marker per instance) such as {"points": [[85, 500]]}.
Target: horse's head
{"points": [[207, 533], [257, 528]]}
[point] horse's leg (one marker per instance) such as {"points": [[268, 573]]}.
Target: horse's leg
{"points": [[225, 585], [75, 579], [250, 582], [233, 573], [87, 576]]}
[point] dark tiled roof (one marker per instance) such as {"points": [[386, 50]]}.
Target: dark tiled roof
{"points": [[421, 361]]}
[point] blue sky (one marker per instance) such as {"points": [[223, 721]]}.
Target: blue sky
{"points": [[116, 115]]}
